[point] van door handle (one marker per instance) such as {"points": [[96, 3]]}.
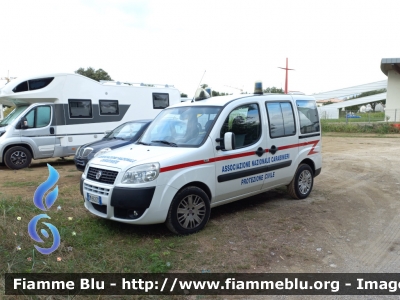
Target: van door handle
{"points": [[260, 151], [51, 130], [273, 149]]}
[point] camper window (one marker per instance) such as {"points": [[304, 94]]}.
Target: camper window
{"points": [[31, 85], [22, 87], [160, 100], [37, 84], [281, 119], [109, 107], [80, 108], [308, 115]]}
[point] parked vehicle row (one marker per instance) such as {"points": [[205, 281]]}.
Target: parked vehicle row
{"points": [[57, 113], [172, 169]]}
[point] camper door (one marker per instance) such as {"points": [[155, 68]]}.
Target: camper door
{"points": [[38, 131]]}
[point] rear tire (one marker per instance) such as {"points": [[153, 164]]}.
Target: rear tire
{"points": [[17, 158], [189, 211], [302, 183]]}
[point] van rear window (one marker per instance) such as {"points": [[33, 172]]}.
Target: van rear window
{"points": [[308, 115]]}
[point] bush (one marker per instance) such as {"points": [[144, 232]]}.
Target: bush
{"points": [[379, 128]]}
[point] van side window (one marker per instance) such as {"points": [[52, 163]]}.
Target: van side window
{"points": [[39, 117], [281, 119], [244, 122], [308, 115], [160, 100], [80, 108], [109, 107]]}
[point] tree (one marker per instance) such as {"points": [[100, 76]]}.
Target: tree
{"points": [[7, 110], [183, 95], [273, 90], [97, 75], [213, 93]]}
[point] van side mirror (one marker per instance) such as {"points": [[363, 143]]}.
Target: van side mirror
{"points": [[228, 141], [24, 123], [107, 132]]}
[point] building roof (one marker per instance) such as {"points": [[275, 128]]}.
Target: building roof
{"points": [[388, 64], [330, 100], [358, 101], [350, 91]]}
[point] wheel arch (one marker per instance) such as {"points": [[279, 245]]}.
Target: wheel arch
{"points": [[28, 147], [200, 185], [309, 162]]}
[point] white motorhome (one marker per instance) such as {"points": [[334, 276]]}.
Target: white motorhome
{"points": [[56, 113], [198, 155]]}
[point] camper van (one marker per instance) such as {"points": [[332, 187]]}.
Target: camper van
{"points": [[56, 113], [198, 155]]}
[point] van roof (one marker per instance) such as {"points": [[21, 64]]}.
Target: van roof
{"points": [[223, 100]]}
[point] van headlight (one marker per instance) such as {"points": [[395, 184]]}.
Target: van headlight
{"points": [[86, 169], [141, 174], [102, 151]]}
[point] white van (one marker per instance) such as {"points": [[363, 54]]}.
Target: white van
{"points": [[56, 113], [198, 155]]}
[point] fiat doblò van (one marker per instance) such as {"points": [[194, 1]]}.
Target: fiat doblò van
{"points": [[202, 154]]}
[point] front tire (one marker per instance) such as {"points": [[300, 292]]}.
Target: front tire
{"points": [[302, 183], [17, 158], [189, 211]]}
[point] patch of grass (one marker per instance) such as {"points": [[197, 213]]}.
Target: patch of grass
{"points": [[20, 183], [88, 243]]}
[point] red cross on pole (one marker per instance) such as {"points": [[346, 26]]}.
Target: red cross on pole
{"points": [[286, 79]]}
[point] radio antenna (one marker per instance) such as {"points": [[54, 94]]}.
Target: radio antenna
{"points": [[198, 85]]}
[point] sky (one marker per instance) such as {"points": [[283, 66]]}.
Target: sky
{"points": [[228, 45]]}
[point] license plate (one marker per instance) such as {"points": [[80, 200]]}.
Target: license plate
{"points": [[94, 198]]}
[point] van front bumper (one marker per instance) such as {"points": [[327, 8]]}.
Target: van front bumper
{"points": [[128, 205]]}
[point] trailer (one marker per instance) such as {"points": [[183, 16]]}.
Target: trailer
{"points": [[56, 113]]}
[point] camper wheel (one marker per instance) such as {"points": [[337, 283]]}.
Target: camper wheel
{"points": [[17, 158], [302, 183], [189, 211]]}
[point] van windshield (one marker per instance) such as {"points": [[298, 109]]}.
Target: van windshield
{"points": [[181, 126], [13, 115]]}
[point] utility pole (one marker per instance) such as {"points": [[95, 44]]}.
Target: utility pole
{"points": [[286, 79]]}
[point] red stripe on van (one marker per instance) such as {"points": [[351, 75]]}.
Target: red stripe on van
{"points": [[232, 156]]}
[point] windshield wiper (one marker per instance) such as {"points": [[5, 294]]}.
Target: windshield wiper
{"points": [[165, 142], [142, 143]]}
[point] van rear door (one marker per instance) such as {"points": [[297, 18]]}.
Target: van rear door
{"points": [[309, 127]]}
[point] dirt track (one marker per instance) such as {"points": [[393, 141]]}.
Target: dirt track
{"points": [[354, 224]]}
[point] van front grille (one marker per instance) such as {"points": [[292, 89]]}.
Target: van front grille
{"points": [[102, 175]]}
